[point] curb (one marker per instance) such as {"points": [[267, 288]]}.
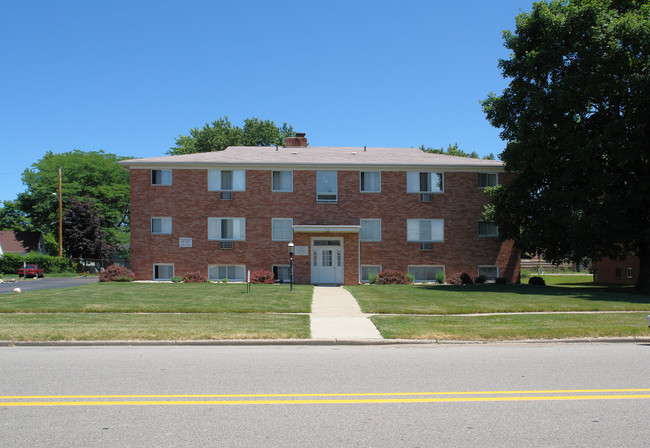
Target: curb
{"points": [[313, 342]]}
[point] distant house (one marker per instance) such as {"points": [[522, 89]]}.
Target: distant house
{"points": [[350, 212], [624, 271], [21, 242]]}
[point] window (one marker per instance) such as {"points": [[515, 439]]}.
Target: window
{"points": [[490, 272], [233, 273], [326, 189], [370, 230], [424, 182], [281, 229], [487, 180], [617, 273], [370, 181], [163, 271], [367, 271], [487, 229], [220, 180], [161, 177], [425, 273], [161, 226], [426, 230], [282, 181], [229, 229], [281, 273], [629, 272]]}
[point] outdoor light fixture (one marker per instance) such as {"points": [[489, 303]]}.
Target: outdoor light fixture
{"points": [[292, 250]]}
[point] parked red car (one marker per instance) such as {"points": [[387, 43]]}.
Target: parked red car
{"points": [[31, 270]]}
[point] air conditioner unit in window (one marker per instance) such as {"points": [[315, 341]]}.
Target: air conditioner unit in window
{"points": [[426, 197], [426, 246], [226, 195], [226, 245]]}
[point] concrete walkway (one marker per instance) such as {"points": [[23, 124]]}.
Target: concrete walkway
{"points": [[335, 315]]}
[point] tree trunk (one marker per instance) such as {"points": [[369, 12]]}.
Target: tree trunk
{"points": [[643, 281]]}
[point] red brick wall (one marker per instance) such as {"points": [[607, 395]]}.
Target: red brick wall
{"points": [[605, 271], [189, 203]]}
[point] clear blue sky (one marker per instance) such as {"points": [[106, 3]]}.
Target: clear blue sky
{"points": [[130, 76]]}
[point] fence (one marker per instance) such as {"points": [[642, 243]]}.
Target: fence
{"points": [[97, 265]]}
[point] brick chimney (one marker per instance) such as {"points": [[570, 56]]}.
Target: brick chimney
{"points": [[298, 140]]}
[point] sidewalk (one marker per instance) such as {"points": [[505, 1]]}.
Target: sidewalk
{"points": [[335, 315]]}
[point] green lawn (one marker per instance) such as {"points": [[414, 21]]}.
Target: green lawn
{"points": [[161, 298], [512, 327], [156, 311], [126, 327], [491, 298]]}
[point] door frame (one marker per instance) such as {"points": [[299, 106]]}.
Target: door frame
{"points": [[339, 272]]}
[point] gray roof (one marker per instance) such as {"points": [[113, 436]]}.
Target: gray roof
{"points": [[320, 157]]}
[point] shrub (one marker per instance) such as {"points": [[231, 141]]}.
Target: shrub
{"points": [[440, 277], [195, 277], [466, 279], [262, 277], [410, 277], [177, 279], [536, 281], [525, 273], [500, 281], [372, 278], [116, 273], [480, 279], [391, 277]]}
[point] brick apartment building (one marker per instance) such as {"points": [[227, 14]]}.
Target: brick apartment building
{"points": [[349, 212]]}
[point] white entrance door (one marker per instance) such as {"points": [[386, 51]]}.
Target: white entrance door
{"points": [[327, 261]]}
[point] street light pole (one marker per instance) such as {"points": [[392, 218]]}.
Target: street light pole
{"points": [[291, 251], [60, 218]]}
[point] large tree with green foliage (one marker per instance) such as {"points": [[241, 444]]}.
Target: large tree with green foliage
{"points": [[13, 218], [93, 174], [454, 150], [576, 119], [220, 134]]}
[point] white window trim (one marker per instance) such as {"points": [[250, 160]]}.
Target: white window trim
{"points": [[629, 273], [162, 220], [243, 266], [162, 183], [408, 269], [487, 235], [163, 264], [328, 193], [361, 190], [478, 271], [361, 224], [368, 266], [273, 225], [282, 171], [496, 180], [237, 176], [243, 238], [421, 240], [413, 182]]}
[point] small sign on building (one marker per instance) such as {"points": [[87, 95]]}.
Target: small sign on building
{"points": [[185, 242], [302, 250]]}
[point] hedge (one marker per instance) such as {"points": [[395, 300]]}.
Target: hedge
{"points": [[10, 263]]}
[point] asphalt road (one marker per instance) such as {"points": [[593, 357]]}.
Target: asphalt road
{"points": [[31, 284], [507, 395]]}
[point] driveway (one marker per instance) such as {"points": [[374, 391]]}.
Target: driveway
{"points": [[46, 283]]}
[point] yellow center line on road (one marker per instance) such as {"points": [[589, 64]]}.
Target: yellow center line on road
{"points": [[334, 398], [320, 401]]}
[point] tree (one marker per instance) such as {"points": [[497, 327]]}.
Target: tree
{"points": [[12, 218], [220, 134], [576, 118], [93, 174], [454, 150], [83, 235]]}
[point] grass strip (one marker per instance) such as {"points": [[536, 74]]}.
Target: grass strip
{"points": [[161, 298], [111, 326], [491, 298], [512, 327]]}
